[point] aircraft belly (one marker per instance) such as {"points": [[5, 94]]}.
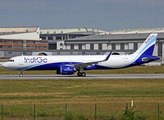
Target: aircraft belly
{"points": [[115, 64]]}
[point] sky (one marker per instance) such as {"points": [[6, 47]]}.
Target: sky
{"points": [[107, 15]]}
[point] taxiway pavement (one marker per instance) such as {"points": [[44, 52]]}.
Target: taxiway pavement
{"points": [[88, 76]]}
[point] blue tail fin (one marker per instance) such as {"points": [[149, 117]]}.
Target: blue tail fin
{"points": [[145, 53], [148, 46]]}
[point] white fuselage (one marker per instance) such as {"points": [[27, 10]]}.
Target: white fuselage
{"points": [[28, 62]]}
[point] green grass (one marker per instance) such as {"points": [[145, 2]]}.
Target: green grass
{"points": [[81, 91], [132, 70], [111, 96]]}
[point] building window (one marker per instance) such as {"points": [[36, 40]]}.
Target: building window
{"points": [[91, 46], [160, 49], [117, 46], [100, 46], [135, 46], [4, 41], [72, 46], [122, 46], [58, 38], [5, 46], [19, 46], [0, 46], [19, 42], [15, 42], [80, 46], [113, 46], [61, 44], [126, 46], [9, 41], [0, 41], [50, 38], [43, 38], [64, 37], [9, 46]]}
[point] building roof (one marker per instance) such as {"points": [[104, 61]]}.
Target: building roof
{"points": [[18, 29], [27, 33], [73, 30], [112, 37], [133, 31]]}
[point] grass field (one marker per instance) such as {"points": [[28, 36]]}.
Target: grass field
{"points": [[135, 70], [81, 96], [111, 96], [81, 91]]}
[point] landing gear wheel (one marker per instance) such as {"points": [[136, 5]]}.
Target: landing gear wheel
{"points": [[83, 74], [79, 74], [21, 74]]}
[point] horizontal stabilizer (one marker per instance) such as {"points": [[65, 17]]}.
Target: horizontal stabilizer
{"points": [[145, 59]]}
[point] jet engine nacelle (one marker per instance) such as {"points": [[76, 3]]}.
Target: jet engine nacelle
{"points": [[65, 70]]}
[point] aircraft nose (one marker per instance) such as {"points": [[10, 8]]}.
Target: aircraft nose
{"points": [[4, 65]]}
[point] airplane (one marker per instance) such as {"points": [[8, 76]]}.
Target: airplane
{"points": [[69, 64]]}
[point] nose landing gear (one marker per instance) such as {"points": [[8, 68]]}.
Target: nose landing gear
{"points": [[21, 74]]}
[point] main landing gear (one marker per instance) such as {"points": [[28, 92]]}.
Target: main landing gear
{"points": [[21, 74], [83, 74]]}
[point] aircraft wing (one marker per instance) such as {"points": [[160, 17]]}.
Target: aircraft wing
{"points": [[84, 65]]}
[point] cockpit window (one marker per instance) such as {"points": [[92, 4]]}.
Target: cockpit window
{"points": [[10, 60]]}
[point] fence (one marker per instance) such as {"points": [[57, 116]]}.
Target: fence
{"points": [[82, 112]]}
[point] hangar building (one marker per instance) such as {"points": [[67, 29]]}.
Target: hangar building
{"points": [[19, 40]]}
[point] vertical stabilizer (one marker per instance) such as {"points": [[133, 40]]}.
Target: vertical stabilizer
{"points": [[147, 47]]}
